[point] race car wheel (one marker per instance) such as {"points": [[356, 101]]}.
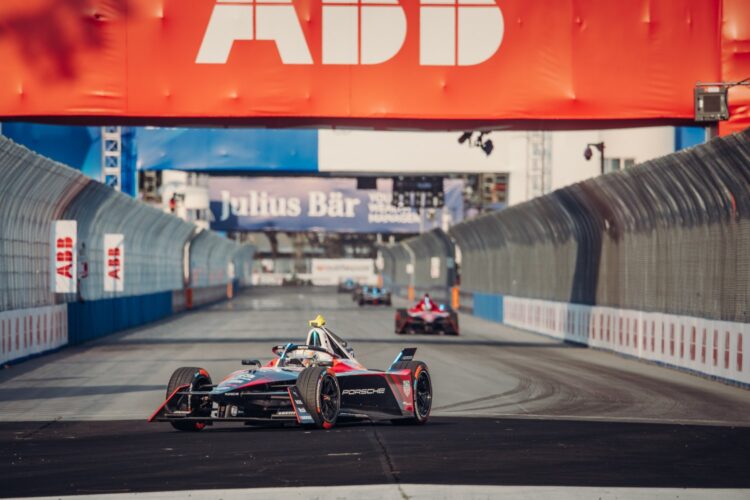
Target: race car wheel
{"points": [[421, 391], [195, 378], [320, 392]]}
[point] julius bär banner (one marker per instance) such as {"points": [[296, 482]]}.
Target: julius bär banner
{"points": [[323, 60], [325, 204]]}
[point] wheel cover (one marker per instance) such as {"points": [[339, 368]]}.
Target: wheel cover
{"points": [[329, 398], [423, 394]]}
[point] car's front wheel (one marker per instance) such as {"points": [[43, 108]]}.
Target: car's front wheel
{"points": [[321, 394], [194, 378]]}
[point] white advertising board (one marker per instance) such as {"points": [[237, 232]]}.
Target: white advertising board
{"points": [[63, 261]]}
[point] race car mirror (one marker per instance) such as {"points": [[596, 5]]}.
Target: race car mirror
{"points": [[251, 362]]}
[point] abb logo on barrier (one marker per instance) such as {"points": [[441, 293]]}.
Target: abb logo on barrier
{"points": [[64, 257], [354, 32], [114, 258]]}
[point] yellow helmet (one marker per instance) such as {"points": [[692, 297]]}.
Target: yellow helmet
{"points": [[318, 321]]}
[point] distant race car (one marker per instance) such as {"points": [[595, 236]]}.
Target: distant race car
{"points": [[313, 384], [347, 286], [374, 295], [427, 317]]}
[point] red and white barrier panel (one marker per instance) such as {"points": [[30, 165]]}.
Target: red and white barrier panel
{"points": [[24, 332], [716, 348]]}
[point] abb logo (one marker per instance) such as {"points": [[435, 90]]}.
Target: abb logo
{"points": [[113, 263], [114, 259], [64, 257], [451, 32]]}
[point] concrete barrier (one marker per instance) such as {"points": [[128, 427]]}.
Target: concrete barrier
{"points": [[717, 349], [28, 332]]}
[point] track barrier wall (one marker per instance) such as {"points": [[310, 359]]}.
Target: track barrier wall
{"points": [[169, 265], [665, 244]]}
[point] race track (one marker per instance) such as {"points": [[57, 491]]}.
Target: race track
{"points": [[510, 408]]}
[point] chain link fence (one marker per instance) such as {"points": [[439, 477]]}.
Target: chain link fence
{"points": [[671, 235], [35, 191]]}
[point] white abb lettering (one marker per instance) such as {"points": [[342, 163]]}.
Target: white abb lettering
{"points": [[358, 32], [452, 32], [459, 32], [274, 20]]}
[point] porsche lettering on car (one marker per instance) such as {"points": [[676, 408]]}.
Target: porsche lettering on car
{"points": [[314, 384]]}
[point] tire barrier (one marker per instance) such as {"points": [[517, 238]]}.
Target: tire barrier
{"points": [[168, 264]]}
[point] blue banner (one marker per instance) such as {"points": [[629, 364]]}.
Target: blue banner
{"points": [[213, 150], [321, 204]]}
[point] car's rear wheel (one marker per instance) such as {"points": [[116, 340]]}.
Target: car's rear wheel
{"points": [[321, 394], [421, 389], [194, 378]]}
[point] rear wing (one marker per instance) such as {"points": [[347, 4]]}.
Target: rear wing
{"points": [[406, 354]]}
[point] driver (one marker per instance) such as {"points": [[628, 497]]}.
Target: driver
{"points": [[307, 357]]}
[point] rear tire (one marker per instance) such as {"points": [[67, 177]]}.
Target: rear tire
{"points": [[194, 378], [421, 390], [321, 394]]}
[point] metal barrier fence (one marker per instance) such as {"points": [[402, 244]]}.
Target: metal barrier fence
{"points": [[671, 235], [431, 259], [35, 191], [154, 243]]}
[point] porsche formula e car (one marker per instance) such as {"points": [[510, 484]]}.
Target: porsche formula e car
{"points": [[374, 295], [314, 384], [427, 317]]}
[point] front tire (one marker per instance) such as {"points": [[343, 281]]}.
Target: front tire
{"points": [[194, 378], [321, 394], [421, 389]]}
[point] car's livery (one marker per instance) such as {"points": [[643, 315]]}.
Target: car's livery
{"points": [[427, 317], [374, 295], [316, 384]]}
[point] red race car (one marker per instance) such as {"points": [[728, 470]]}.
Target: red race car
{"points": [[427, 317]]}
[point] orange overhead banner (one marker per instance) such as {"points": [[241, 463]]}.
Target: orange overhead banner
{"points": [[372, 60]]}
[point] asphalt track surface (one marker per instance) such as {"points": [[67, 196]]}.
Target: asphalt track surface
{"points": [[510, 408]]}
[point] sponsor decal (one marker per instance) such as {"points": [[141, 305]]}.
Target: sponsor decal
{"points": [[407, 388], [114, 260], [64, 265], [363, 392]]}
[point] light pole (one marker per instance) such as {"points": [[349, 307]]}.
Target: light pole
{"points": [[587, 153]]}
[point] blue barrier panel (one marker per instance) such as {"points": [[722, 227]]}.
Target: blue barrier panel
{"points": [[97, 318], [488, 306]]}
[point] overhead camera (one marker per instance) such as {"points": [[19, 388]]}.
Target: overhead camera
{"points": [[480, 141], [587, 153]]}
